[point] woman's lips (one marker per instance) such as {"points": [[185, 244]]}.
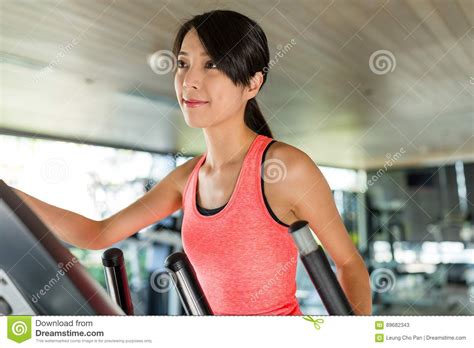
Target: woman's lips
{"points": [[194, 103]]}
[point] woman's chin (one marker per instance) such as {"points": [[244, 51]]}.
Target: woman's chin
{"points": [[195, 123]]}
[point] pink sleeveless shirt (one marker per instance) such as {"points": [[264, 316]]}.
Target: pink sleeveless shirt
{"points": [[244, 259]]}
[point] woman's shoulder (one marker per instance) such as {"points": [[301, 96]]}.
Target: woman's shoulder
{"points": [[293, 166], [286, 153], [183, 171]]}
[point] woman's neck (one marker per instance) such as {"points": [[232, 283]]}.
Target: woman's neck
{"points": [[226, 145]]}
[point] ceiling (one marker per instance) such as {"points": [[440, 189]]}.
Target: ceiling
{"points": [[78, 69]]}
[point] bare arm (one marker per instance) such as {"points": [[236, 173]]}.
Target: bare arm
{"points": [[162, 200], [68, 226], [311, 199]]}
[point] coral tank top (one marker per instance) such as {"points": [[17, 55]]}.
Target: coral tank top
{"points": [[245, 260]]}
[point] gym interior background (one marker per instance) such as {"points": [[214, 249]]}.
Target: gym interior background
{"points": [[378, 93]]}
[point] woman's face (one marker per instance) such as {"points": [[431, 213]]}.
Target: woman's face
{"points": [[205, 94]]}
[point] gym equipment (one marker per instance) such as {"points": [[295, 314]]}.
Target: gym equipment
{"points": [[317, 265], [38, 274], [184, 278], [116, 279]]}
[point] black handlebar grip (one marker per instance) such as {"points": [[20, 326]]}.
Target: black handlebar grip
{"points": [[317, 265], [116, 279], [187, 285]]}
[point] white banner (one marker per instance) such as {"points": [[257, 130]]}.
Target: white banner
{"points": [[236, 331]]}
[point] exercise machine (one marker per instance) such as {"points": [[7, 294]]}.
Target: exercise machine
{"points": [[187, 285], [38, 274], [317, 265]]}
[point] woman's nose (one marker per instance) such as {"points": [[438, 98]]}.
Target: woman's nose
{"points": [[192, 79]]}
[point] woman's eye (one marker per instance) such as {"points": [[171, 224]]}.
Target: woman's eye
{"points": [[180, 64], [211, 65]]}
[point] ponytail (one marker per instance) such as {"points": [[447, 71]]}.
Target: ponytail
{"points": [[254, 119]]}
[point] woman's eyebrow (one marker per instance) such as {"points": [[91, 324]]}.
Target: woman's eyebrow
{"points": [[184, 53]]}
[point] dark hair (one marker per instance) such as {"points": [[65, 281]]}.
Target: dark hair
{"points": [[238, 46]]}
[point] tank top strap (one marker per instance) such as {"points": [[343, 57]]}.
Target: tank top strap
{"points": [[187, 198], [251, 179]]}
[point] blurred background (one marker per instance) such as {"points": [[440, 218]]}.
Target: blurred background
{"points": [[378, 93]]}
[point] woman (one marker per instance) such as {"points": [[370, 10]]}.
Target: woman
{"points": [[236, 213]]}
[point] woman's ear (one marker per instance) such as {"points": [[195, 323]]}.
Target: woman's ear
{"points": [[255, 83]]}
